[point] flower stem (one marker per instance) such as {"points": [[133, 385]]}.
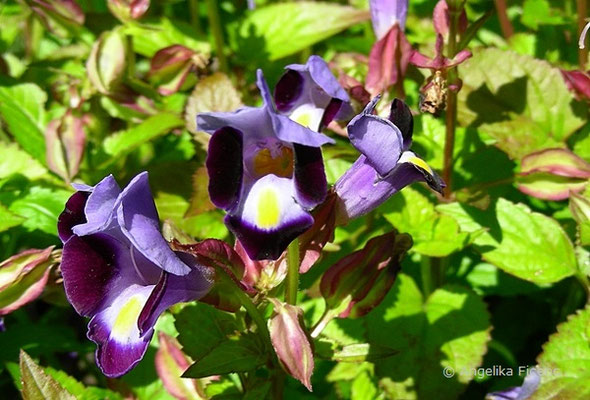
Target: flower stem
{"points": [[255, 315], [582, 11], [194, 10], [292, 272], [324, 320], [451, 113], [505, 25], [215, 26], [426, 275]]}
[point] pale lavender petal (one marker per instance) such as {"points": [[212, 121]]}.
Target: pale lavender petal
{"points": [[255, 122], [139, 222], [361, 190], [386, 13], [100, 207], [377, 138], [320, 73]]}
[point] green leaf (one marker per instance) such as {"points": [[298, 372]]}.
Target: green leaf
{"points": [[565, 361], [41, 207], [15, 161], [448, 329], [21, 107], [236, 354], [126, 141], [522, 102], [8, 219], [283, 29], [364, 387], [37, 385], [526, 244], [79, 390], [205, 322], [433, 234], [539, 12], [213, 93]]}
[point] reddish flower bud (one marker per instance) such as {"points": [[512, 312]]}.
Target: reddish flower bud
{"points": [[291, 343], [441, 18], [65, 140], [228, 269], [578, 82], [171, 66], [171, 363], [125, 10], [107, 62], [551, 174], [58, 16], [23, 277], [358, 282]]}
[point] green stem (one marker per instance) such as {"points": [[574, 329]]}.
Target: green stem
{"points": [[255, 315], [426, 274], [216, 30], [292, 272], [451, 113], [194, 10], [582, 12], [327, 316], [583, 279]]}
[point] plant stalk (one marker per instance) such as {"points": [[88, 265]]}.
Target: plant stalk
{"points": [[505, 24], [292, 272], [251, 309], [451, 113], [194, 10], [217, 32], [426, 275], [582, 11]]}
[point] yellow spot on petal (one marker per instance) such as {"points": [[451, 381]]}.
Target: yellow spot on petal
{"points": [[281, 166], [268, 209], [127, 319], [303, 119], [420, 163]]}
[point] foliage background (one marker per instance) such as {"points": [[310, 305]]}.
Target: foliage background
{"points": [[507, 267]]}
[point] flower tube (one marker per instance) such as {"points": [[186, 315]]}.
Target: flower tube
{"points": [[386, 164]]}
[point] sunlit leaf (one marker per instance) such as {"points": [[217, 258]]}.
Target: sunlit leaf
{"points": [[278, 30], [37, 385]]}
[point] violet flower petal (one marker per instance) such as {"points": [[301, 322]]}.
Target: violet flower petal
{"points": [[386, 13]]}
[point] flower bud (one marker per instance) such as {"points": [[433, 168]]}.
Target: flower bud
{"points": [[126, 10], [107, 62], [58, 16], [358, 282], [228, 270], [551, 174], [290, 342], [441, 18], [23, 277], [578, 82], [65, 140], [171, 363], [171, 66]]}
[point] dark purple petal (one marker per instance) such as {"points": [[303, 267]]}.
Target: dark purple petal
{"points": [[288, 90], [332, 110], [72, 215], [386, 13], [401, 116], [225, 167], [100, 207], [377, 138], [261, 244], [88, 268], [139, 222], [310, 179], [173, 289]]}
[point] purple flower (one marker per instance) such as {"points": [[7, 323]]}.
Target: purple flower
{"points": [[386, 164], [390, 55], [310, 95], [529, 386], [119, 270], [387, 13], [266, 171]]}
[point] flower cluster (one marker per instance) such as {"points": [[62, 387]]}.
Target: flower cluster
{"points": [[266, 171]]}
